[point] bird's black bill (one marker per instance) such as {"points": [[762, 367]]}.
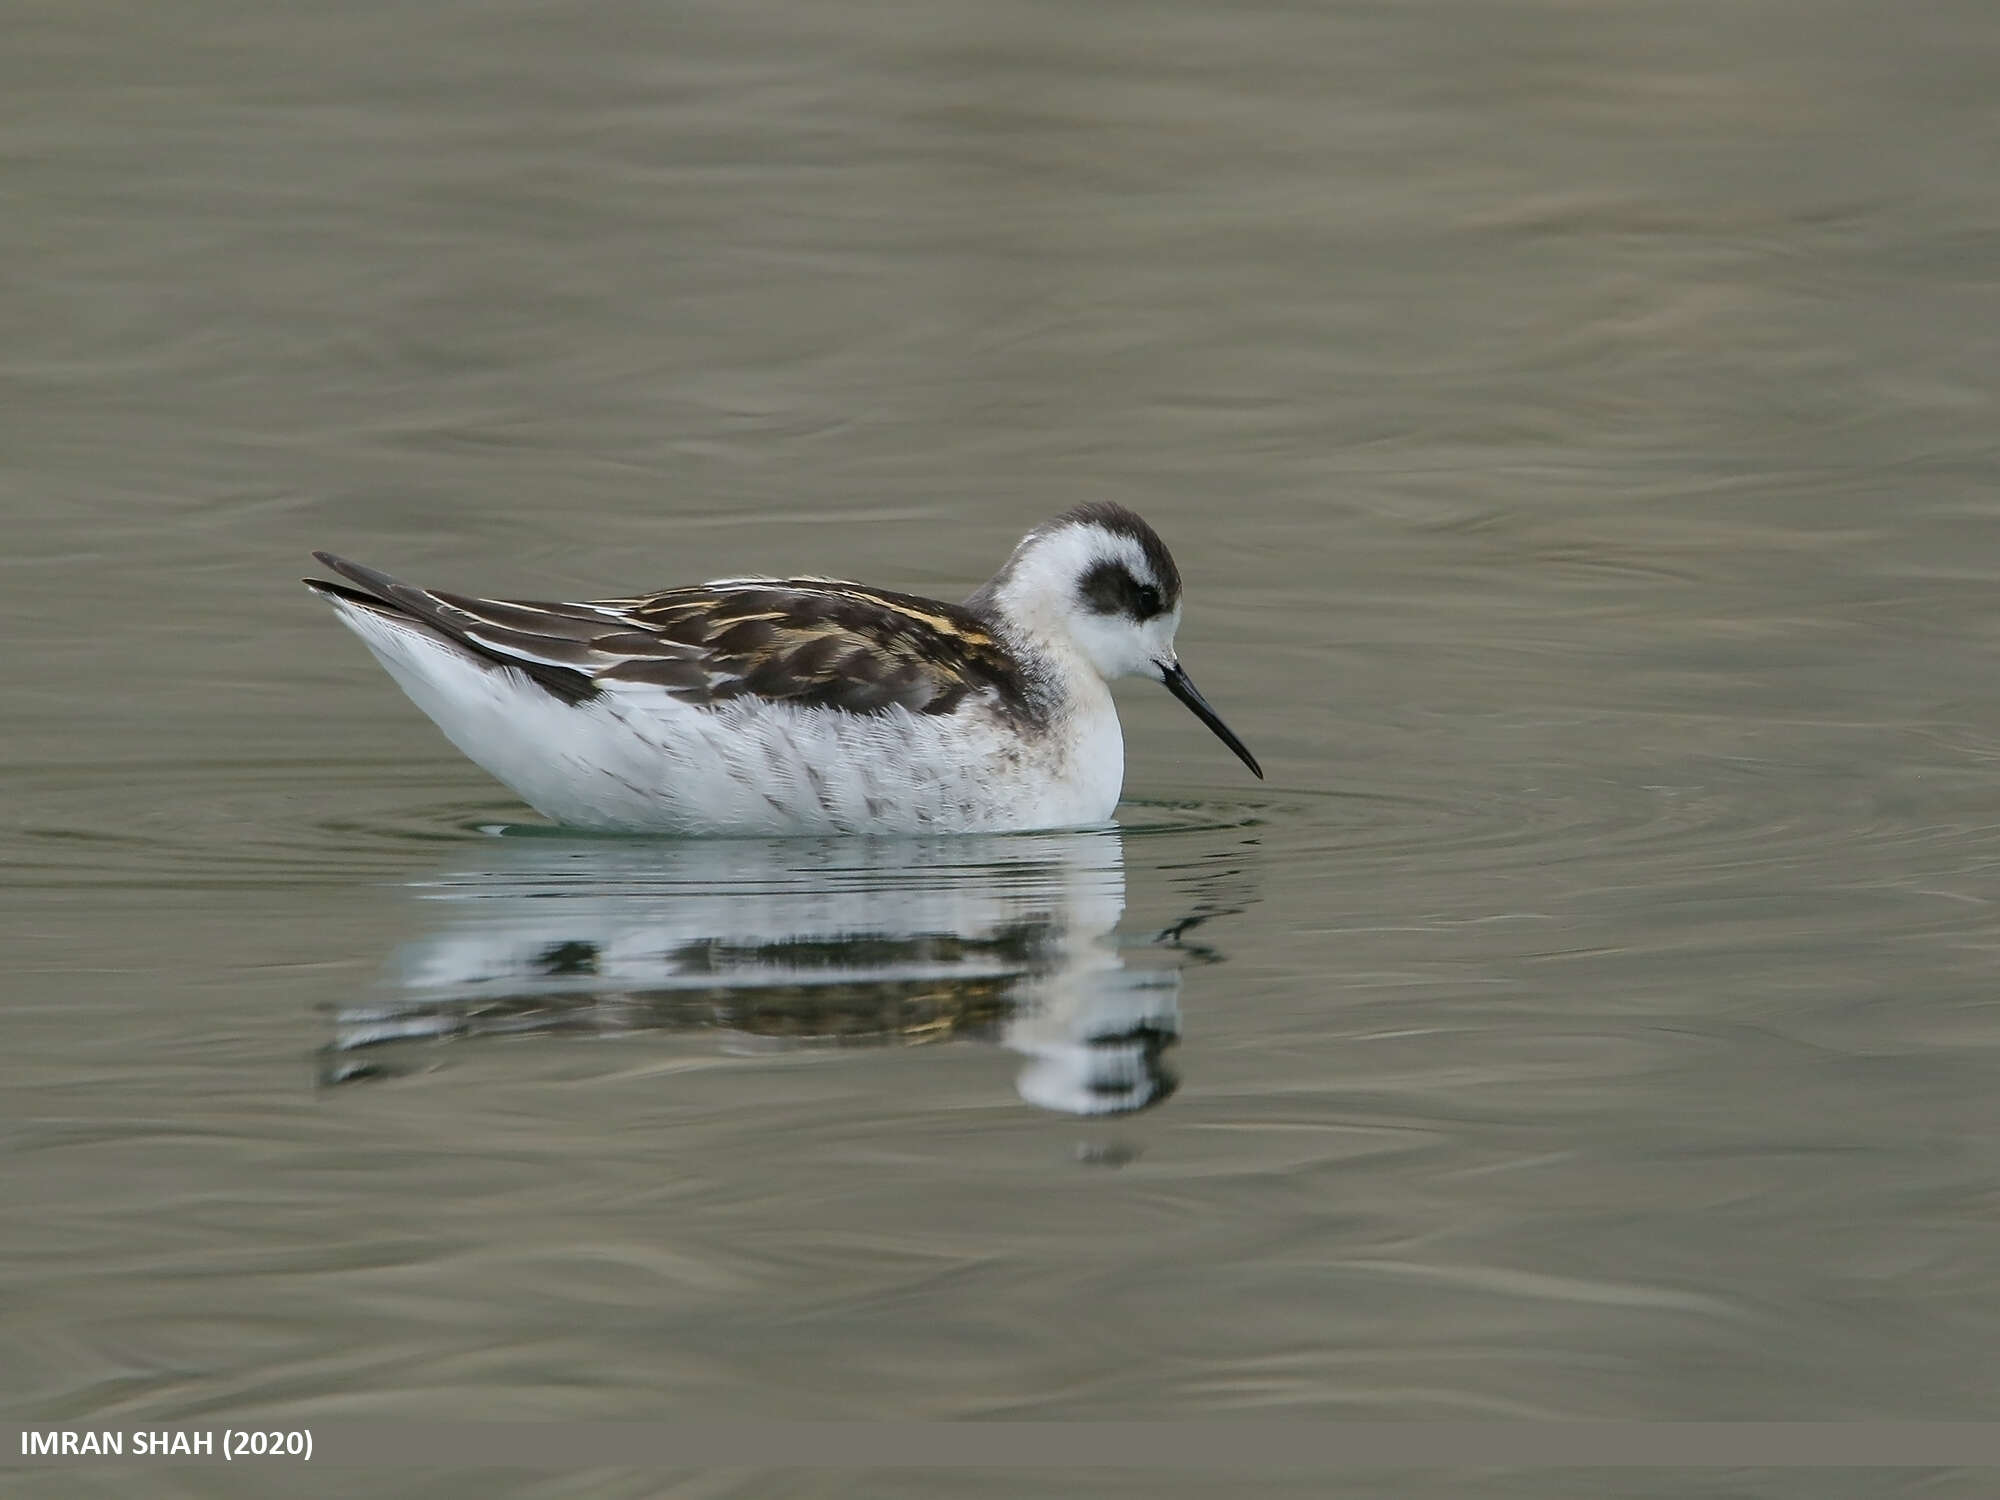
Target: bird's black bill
{"points": [[1179, 684]]}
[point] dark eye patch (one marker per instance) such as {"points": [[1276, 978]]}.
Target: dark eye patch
{"points": [[1110, 589]]}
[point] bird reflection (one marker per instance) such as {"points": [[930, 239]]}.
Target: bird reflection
{"points": [[1006, 938]]}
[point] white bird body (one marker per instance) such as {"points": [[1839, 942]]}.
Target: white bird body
{"points": [[761, 706]]}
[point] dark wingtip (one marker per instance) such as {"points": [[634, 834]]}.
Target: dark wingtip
{"points": [[375, 590], [372, 588], [372, 579], [326, 588], [338, 564]]}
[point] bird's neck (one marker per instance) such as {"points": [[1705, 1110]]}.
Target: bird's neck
{"points": [[1032, 628]]}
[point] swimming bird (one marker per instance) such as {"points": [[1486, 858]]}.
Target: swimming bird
{"points": [[803, 705]]}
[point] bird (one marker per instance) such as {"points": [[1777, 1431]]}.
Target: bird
{"points": [[803, 705]]}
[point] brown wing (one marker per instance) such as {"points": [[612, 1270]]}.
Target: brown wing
{"points": [[816, 643], [809, 641]]}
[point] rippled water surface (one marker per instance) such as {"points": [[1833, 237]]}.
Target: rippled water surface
{"points": [[1577, 426]]}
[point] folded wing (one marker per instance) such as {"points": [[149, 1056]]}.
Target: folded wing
{"points": [[812, 642]]}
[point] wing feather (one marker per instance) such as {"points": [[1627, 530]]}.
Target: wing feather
{"points": [[813, 642]]}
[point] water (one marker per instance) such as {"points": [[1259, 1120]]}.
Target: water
{"points": [[1576, 425]]}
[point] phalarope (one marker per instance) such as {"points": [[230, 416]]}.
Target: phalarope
{"points": [[803, 705]]}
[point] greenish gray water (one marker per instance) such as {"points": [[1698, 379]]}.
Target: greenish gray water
{"points": [[1576, 424]]}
